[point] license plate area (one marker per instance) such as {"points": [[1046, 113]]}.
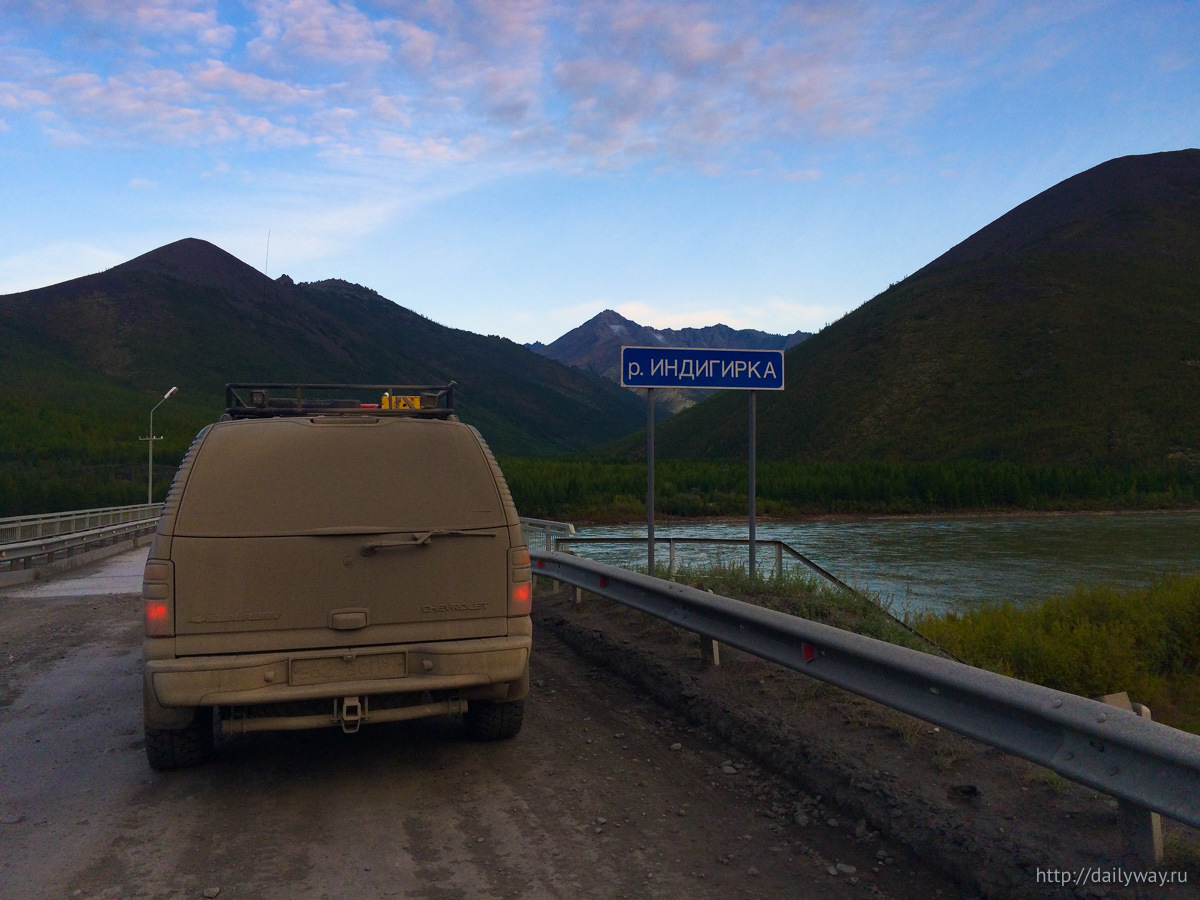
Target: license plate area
{"points": [[328, 669]]}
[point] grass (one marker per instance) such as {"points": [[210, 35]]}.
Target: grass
{"points": [[807, 597], [1092, 641]]}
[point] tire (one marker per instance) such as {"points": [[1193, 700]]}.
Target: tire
{"points": [[487, 720], [168, 749]]}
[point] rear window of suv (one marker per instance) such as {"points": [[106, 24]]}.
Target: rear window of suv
{"points": [[299, 476]]}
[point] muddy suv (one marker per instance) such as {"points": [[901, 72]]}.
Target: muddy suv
{"points": [[334, 562]]}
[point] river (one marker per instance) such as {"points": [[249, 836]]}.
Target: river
{"points": [[939, 564]]}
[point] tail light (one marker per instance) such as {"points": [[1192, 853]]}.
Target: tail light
{"points": [[158, 596], [520, 580]]}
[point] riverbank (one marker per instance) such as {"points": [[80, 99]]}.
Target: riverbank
{"points": [[952, 515], [610, 492]]}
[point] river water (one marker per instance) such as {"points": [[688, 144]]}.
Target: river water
{"points": [[939, 564]]}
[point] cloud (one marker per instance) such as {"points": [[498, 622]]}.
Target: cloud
{"points": [[591, 85], [219, 77], [292, 30], [197, 20], [656, 317], [1174, 60], [774, 315], [139, 183], [802, 175], [303, 231]]}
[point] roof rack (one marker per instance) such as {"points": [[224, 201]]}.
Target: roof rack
{"points": [[422, 401]]}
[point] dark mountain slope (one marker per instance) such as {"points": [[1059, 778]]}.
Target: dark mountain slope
{"points": [[1104, 208], [1068, 330], [92, 355]]}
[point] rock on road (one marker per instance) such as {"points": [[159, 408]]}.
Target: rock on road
{"points": [[588, 801]]}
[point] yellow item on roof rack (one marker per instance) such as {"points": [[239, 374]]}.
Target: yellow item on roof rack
{"points": [[400, 401]]}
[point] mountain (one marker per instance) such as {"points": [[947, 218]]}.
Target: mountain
{"points": [[1066, 331], [595, 346], [85, 360]]}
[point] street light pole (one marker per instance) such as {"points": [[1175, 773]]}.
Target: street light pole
{"points": [[150, 448]]}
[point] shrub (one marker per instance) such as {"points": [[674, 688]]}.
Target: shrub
{"points": [[1092, 641]]}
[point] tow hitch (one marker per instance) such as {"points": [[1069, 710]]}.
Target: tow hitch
{"points": [[353, 713]]}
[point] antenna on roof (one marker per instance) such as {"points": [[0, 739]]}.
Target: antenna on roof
{"points": [[268, 259]]}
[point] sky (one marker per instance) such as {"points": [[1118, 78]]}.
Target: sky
{"points": [[514, 167]]}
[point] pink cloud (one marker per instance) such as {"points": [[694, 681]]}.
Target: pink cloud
{"points": [[160, 104], [316, 30], [603, 83], [195, 18], [218, 76]]}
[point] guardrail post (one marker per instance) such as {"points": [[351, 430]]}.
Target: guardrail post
{"points": [[1141, 829], [710, 650], [670, 560], [553, 581], [778, 559]]}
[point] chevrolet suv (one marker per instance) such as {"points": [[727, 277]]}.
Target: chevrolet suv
{"points": [[334, 562]]}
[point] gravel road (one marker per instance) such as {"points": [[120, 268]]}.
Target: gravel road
{"points": [[603, 794]]}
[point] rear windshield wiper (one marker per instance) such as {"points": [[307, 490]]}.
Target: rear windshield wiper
{"points": [[420, 539]]}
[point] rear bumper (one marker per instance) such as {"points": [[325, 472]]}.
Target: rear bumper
{"points": [[174, 687]]}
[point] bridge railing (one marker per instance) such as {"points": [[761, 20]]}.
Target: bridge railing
{"points": [[27, 554], [28, 528], [1112, 750], [545, 531]]}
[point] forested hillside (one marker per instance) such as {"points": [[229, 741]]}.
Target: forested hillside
{"points": [[84, 361], [1067, 332]]}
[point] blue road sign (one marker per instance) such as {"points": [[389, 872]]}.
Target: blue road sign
{"points": [[680, 367]]}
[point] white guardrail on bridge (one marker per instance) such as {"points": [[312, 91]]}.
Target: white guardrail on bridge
{"points": [[1107, 748], [27, 528], [27, 541]]}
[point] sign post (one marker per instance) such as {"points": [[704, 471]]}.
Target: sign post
{"points": [[753, 480], [709, 368], [650, 482]]}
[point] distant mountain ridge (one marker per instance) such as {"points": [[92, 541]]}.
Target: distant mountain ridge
{"points": [[83, 359], [595, 346], [1065, 332]]}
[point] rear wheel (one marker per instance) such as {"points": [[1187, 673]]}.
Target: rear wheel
{"points": [[487, 720], [171, 748]]}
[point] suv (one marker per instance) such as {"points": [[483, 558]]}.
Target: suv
{"points": [[331, 563]]}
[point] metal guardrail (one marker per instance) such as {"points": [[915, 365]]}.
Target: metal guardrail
{"points": [[28, 528], [17, 555], [1107, 748]]}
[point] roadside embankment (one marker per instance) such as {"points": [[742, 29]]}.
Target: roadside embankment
{"points": [[989, 820]]}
